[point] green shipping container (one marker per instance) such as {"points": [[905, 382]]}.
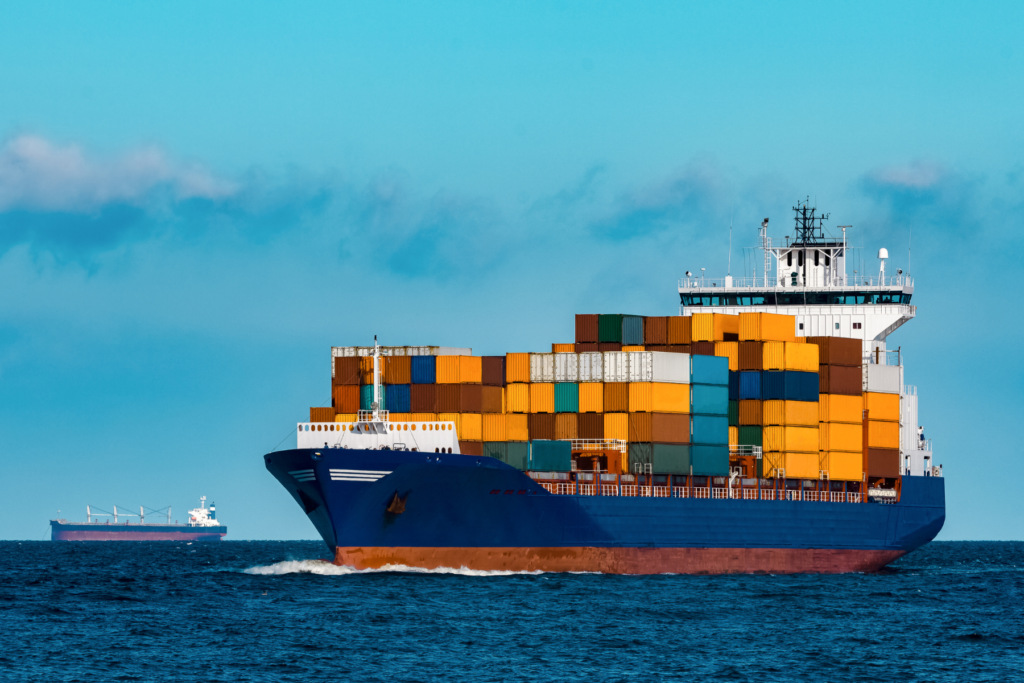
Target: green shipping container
{"points": [[609, 328], [671, 458], [550, 456], [734, 413], [514, 453], [750, 436], [366, 397], [567, 397], [640, 456]]}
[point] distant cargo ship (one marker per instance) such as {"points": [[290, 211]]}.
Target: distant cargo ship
{"points": [[766, 428], [202, 525]]}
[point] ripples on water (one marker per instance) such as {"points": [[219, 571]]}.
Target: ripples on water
{"points": [[238, 611]]}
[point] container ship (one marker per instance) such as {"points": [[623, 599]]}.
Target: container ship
{"points": [[202, 525], [766, 428]]}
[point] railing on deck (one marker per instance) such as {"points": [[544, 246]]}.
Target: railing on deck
{"points": [[610, 488]]}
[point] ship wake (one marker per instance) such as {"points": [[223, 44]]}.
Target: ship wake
{"points": [[325, 568]]}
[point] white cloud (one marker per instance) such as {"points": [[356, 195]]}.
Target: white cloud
{"points": [[919, 175], [37, 174]]}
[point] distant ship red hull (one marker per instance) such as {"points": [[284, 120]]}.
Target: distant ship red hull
{"points": [[64, 531]]}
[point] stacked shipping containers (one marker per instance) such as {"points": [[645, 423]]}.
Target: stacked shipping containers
{"points": [[882, 384], [840, 421]]}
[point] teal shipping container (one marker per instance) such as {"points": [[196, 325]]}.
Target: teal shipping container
{"points": [[711, 461], [514, 453], [609, 327], [663, 458], [567, 397], [709, 370], [710, 430], [707, 399], [632, 330], [551, 456], [366, 397]]}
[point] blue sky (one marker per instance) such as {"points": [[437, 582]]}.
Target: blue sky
{"points": [[197, 201]]}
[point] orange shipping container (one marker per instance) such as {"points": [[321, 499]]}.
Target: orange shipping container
{"points": [[447, 369], [472, 427], [734, 436], [632, 348], [640, 428], [517, 367], [796, 465], [542, 397], [730, 350], [493, 427], [883, 434], [490, 400], [767, 327], [840, 436], [366, 369], [842, 466], [659, 397], [616, 426], [563, 348], [565, 426], [750, 413], [796, 439], [346, 398], [882, 407], [422, 417], [517, 398], [592, 397], [517, 427], [790, 356], [789, 413], [679, 330], [347, 417], [471, 371], [656, 330], [714, 326], [616, 397], [840, 408], [397, 370], [452, 417], [321, 414]]}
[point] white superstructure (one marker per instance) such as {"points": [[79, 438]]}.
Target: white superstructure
{"points": [[373, 430], [807, 278], [202, 515]]}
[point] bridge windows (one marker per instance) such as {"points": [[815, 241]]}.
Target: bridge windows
{"points": [[787, 298]]}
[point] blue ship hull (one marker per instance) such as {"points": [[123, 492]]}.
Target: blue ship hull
{"points": [[427, 510]]}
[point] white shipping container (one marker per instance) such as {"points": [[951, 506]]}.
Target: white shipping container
{"points": [[567, 367], [450, 351], [616, 366], [591, 366], [882, 379], [542, 367], [659, 366]]}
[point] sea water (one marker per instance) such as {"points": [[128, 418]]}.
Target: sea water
{"points": [[271, 611]]}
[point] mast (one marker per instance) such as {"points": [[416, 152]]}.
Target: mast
{"points": [[376, 380]]}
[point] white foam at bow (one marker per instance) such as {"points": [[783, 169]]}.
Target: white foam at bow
{"points": [[325, 568]]}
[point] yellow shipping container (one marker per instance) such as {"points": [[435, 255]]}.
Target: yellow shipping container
{"points": [[883, 434], [542, 397], [789, 413], [563, 348], [767, 327], [730, 350], [493, 427], [793, 465], [734, 436], [397, 417], [504, 403], [794, 439], [843, 466], [517, 398], [472, 427], [838, 408], [346, 417], [616, 426], [632, 348], [366, 369], [447, 369], [713, 326], [422, 417], [839, 436], [658, 397], [591, 397], [517, 427], [471, 371], [453, 417], [789, 356], [882, 407], [517, 367]]}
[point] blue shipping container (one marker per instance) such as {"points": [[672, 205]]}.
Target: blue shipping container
{"points": [[551, 456], [424, 369], [632, 330], [399, 398], [710, 461], [706, 399], [789, 386], [710, 429], [750, 385], [709, 370], [366, 397], [734, 386]]}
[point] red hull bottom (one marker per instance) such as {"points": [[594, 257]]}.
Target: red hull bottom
{"points": [[625, 560], [98, 535]]}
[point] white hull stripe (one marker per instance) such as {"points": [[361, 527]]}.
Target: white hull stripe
{"points": [[379, 473], [303, 475]]}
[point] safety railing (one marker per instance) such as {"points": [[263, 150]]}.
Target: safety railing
{"points": [[609, 490], [714, 493], [585, 489]]}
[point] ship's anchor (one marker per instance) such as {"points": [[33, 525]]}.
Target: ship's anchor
{"points": [[397, 504]]}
